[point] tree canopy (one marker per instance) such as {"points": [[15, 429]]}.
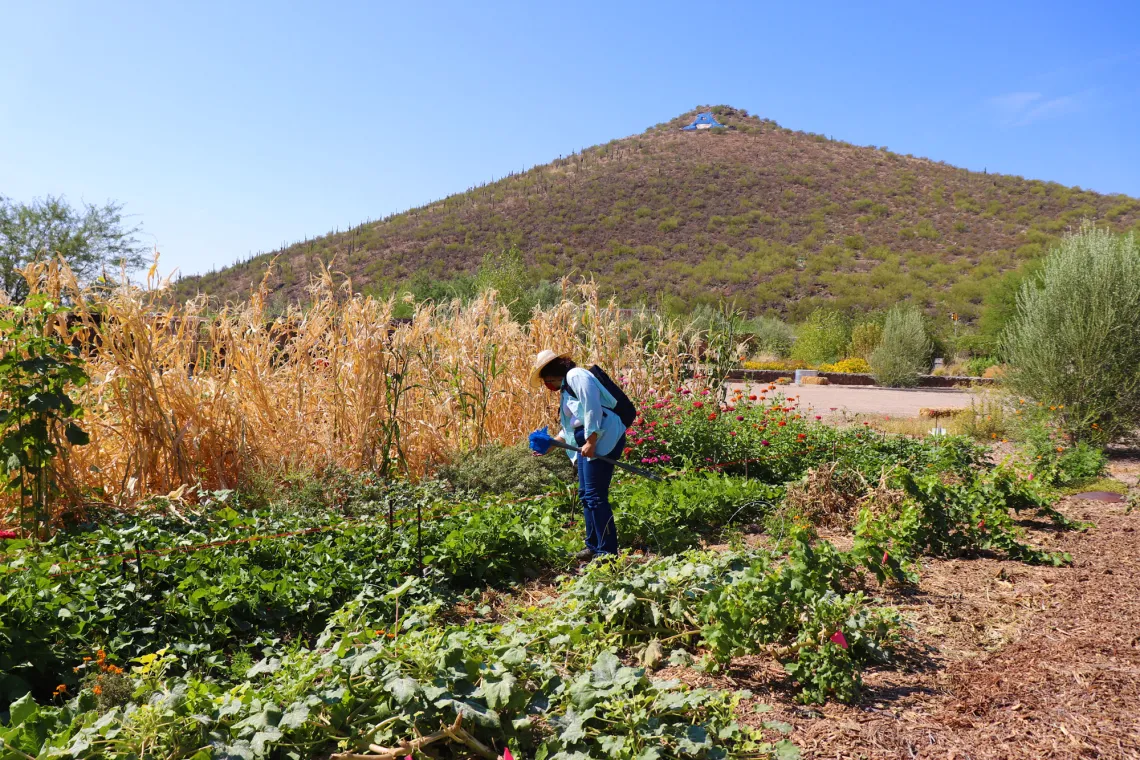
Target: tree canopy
{"points": [[94, 240]]}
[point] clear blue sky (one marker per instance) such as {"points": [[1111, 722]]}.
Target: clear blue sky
{"points": [[228, 128]]}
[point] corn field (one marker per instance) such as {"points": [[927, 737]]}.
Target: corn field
{"points": [[181, 396]]}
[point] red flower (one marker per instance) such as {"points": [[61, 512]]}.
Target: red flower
{"points": [[733, 433], [801, 437], [698, 404], [782, 423], [740, 418], [839, 639], [752, 397], [626, 451], [9, 534], [818, 417], [712, 416]]}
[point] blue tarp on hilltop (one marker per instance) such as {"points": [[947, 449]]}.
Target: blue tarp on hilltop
{"points": [[704, 120]]}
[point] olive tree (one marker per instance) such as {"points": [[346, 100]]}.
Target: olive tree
{"points": [[1074, 343], [903, 353]]}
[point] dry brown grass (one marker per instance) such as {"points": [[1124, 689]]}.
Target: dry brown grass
{"points": [[825, 497], [183, 397]]}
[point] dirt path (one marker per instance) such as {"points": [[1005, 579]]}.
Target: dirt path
{"points": [[857, 399], [1008, 660]]}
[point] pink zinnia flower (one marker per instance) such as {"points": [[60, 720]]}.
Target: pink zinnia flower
{"points": [[839, 639], [764, 443]]}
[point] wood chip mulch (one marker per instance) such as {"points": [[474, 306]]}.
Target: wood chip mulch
{"points": [[1005, 660]]}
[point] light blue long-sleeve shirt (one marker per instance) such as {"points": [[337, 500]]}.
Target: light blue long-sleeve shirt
{"points": [[593, 410]]}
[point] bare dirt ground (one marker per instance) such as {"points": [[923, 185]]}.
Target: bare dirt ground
{"points": [[1004, 660], [858, 399]]}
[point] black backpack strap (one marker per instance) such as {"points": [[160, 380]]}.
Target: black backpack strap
{"points": [[566, 389]]}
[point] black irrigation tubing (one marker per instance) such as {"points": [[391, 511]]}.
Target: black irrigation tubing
{"points": [[136, 553]]}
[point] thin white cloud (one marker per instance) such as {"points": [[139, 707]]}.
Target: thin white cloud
{"points": [[1049, 109], [1014, 102], [1019, 109]]}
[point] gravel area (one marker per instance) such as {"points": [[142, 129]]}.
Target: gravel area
{"points": [[866, 399]]}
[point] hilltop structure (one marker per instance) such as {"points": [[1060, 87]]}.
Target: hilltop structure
{"points": [[704, 120]]}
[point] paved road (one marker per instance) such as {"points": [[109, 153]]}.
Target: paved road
{"points": [[860, 399]]}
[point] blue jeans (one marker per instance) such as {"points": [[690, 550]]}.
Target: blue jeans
{"points": [[594, 476]]}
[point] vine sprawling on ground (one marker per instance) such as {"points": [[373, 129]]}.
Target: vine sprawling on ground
{"points": [[342, 626], [350, 612]]}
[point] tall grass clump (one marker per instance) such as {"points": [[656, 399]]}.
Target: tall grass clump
{"points": [[823, 338], [182, 395], [904, 349], [1074, 343]]}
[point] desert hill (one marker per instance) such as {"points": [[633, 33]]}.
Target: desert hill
{"points": [[779, 220]]}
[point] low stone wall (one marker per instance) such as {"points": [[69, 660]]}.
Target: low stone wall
{"points": [[849, 378]]}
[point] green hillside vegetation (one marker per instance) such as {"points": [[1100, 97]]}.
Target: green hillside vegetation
{"points": [[780, 222]]}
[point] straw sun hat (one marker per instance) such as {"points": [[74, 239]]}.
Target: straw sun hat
{"points": [[545, 356]]}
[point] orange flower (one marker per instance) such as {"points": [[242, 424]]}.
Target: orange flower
{"points": [[61, 689], [98, 689], [1060, 449]]}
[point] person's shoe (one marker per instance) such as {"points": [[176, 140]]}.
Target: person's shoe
{"points": [[585, 555]]}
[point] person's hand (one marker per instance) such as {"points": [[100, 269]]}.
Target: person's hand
{"points": [[590, 449]]}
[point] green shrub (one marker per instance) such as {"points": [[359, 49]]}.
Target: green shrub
{"points": [[865, 339], [772, 336], [977, 365], [1053, 458], [823, 338], [904, 350], [508, 469], [1075, 341]]}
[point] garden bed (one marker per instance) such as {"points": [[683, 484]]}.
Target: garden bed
{"points": [[850, 378], [303, 630]]}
